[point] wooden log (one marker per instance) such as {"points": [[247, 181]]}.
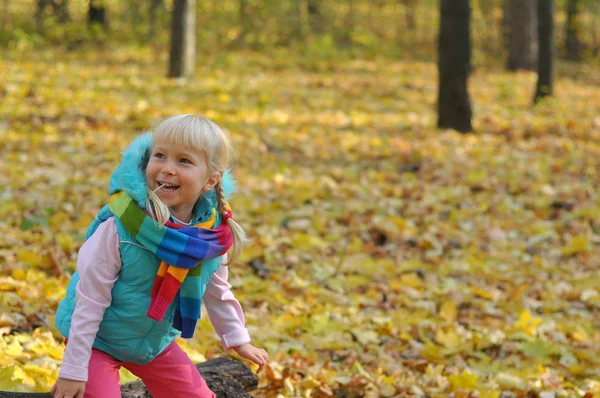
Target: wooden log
{"points": [[226, 377]]}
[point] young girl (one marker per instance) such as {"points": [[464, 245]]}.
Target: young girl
{"points": [[151, 257]]}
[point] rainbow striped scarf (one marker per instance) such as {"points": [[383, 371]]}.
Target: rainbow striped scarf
{"points": [[180, 248]]}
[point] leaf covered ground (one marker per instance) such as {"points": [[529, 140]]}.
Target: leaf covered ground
{"points": [[388, 258]]}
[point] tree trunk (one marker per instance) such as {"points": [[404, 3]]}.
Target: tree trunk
{"points": [[522, 40], [61, 10], [97, 14], [40, 12], [486, 9], [5, 14], [153, 8], [299, 24], [349, 22], [245, 21], [409, 14], [315, 19], [225, 377], [454, 47], [183, 39], [505, 24], [545, 65], [572, 43]]}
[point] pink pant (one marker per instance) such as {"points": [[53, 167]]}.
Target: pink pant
{"points": [[171, 374]]}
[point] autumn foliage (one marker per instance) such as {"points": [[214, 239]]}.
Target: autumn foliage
{"points": [[388, 258]]}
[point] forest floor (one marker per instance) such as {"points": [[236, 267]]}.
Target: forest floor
{"points": [[388, 258]]}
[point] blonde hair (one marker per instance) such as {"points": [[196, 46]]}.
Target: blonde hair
{"points": [[205, 136]]}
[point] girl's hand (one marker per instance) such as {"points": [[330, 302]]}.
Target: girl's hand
{"points": [[65, 388], [257, 355]]}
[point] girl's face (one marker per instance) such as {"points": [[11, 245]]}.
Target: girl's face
{"points": [[181, 175]]}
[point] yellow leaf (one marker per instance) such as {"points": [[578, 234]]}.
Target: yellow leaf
{"points": [[44, 378], [30, 258], [309, 383], [7, 383], [448, 339], [464, 381], [288, 385], [411, 280], [387, 389], [527, 323], [507, 381], [481, 293], [366, 337], [484, 393], [49, 348], [250, 253], [448, 311], [579, 334], [14, 349], [65, 241], [578, 244], [20, 375], [19, 274], [477, 176], [399, 222]]}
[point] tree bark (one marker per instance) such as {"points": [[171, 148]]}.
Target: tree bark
{"points": [[505, 23], [545, 67], [153, 8], [409, 14], [61, 10], [97, 14], [299, 30], [226, 377], [454, 48], [572, 43], [315, 18], [183, 39], [5, 15], [522, 35], [40, 11], [245, 20]]}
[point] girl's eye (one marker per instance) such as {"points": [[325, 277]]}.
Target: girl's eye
{"points": [[159, 155], [185, 160]]}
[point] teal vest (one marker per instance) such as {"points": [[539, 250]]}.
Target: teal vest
{"points": [[126, 332]]}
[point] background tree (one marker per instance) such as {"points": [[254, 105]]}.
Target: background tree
{"points": [[572, 43], [97, 14], [505, 24], [61, 10], [409, 14], [183, 39], [454, 47], [315, 16], [545, 65], [298, 24], [56, 8], [153, 7], [522, 35], [245, 20]]}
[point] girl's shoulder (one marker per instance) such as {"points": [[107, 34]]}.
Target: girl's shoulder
{"points": [[103, 215]]}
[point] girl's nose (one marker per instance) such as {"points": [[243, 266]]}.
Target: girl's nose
{"points": [[168, 168]]}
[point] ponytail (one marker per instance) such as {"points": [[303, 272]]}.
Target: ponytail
{"points": [[240, 239]]}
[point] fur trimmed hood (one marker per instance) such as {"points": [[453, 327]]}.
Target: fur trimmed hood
{"points": [[129, 176]]}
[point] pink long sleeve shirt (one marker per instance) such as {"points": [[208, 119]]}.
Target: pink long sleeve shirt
{"points": [[98, 264]]}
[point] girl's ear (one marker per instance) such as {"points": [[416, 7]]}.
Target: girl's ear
{"points": [[212, 181]]}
